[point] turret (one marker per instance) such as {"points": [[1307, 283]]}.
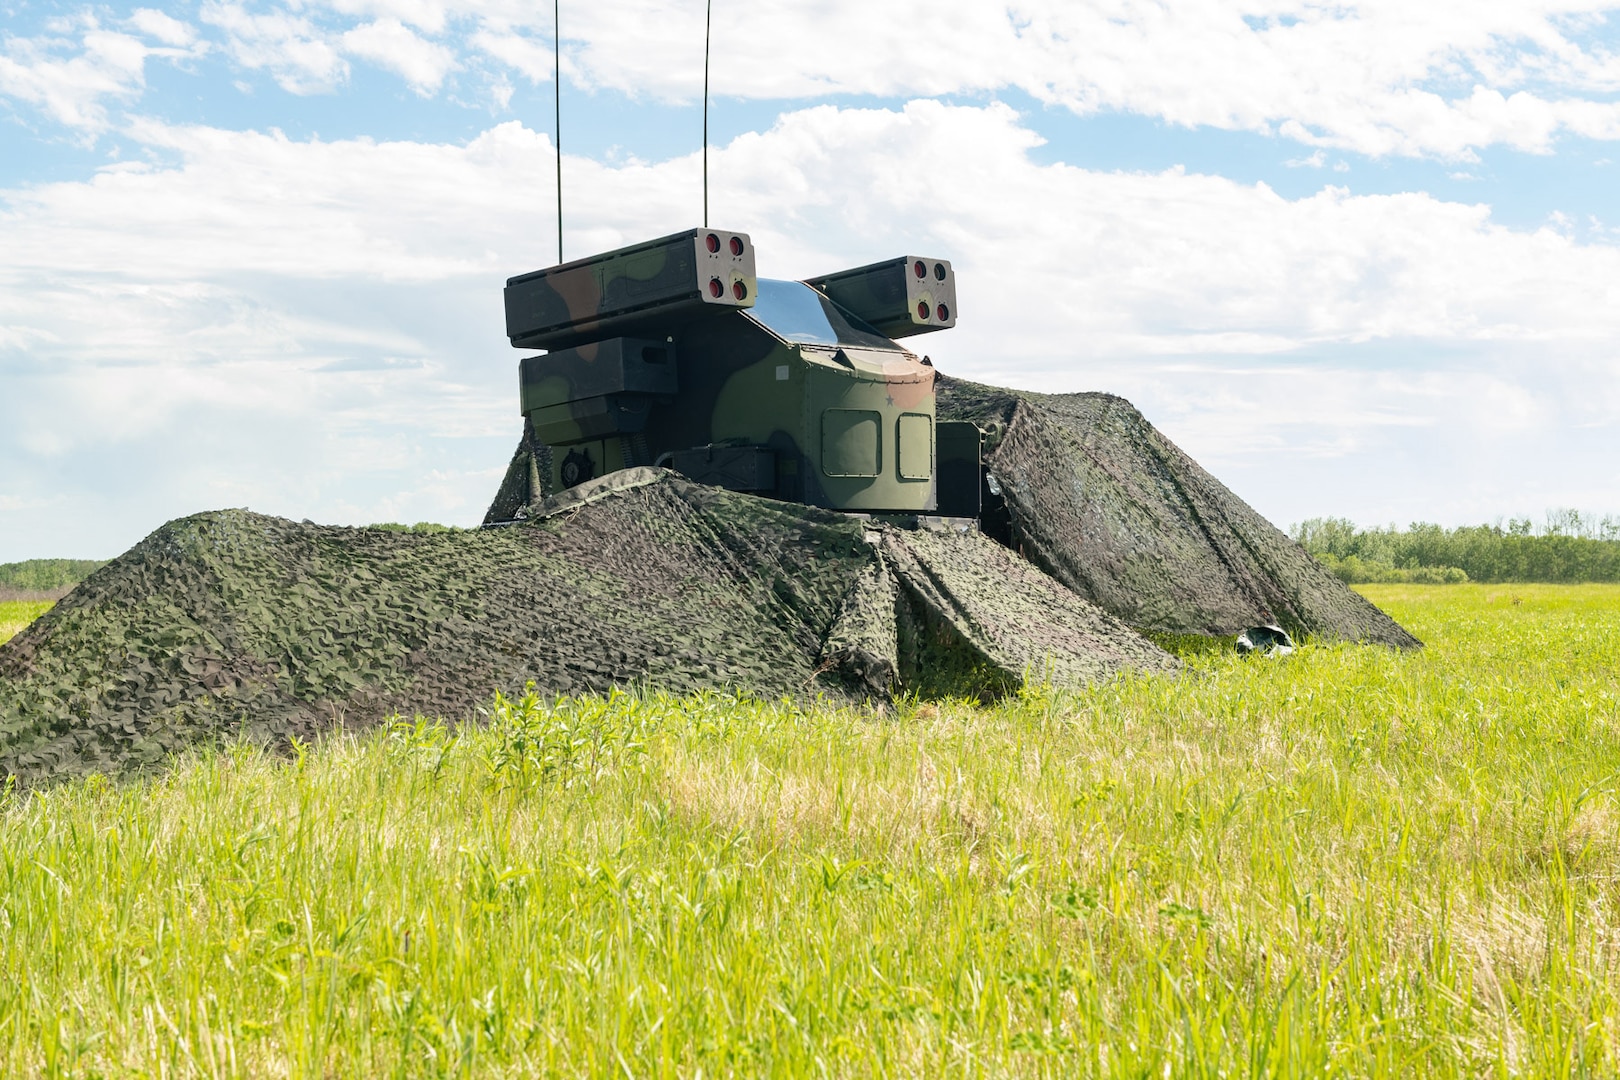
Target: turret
{"points": [[673, 352]]}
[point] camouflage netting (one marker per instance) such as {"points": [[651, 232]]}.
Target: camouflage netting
{"points": [[233, 622], [524, 482], [1103, 502]]}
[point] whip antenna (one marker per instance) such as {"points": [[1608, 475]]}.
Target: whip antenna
{"points": [[708, 15], [556, 97]]}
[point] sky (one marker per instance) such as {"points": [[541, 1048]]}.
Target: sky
{"points": [[1358, 258]]}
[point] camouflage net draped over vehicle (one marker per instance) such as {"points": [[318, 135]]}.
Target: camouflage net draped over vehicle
{"points": [[525, 481], [1102, 501], [232, 622]]}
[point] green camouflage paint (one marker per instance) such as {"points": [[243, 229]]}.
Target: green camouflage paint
{"points": [[900, 297], [673, 278], [707, 355]]}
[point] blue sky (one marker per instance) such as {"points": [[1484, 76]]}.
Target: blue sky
{"points": [[1359, 259]]}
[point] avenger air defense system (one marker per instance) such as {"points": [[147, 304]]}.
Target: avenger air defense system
{"points": [[674, 352], [812, 532]]}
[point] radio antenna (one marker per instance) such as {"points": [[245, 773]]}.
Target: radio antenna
{"points": [[708, 15], [556, 97]]}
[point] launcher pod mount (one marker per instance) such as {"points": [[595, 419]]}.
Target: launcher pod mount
{"points": [[674, 352]]}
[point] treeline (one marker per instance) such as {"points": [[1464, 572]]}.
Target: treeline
{"points": [[46, 575], [1569, 547], [421, 528]]}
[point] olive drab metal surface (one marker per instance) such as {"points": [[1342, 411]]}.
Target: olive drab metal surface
{"points": [[673, 352], [672, 278], [597, 389], [900, 297]]}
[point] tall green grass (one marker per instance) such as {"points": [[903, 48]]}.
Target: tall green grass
{"points": [[1350, 860], [16, 614]]}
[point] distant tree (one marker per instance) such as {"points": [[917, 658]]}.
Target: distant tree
{"points": [[1569, 547]]}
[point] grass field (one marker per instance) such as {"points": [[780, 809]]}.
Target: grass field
{"points": [[16, 614], [1348, 861]]}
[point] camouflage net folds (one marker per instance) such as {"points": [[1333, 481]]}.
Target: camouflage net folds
{"points": [[525, 479], [233, 623], [1102, 501]]}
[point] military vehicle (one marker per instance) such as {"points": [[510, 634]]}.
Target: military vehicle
{"points": [[858, 575], [674, 352]]}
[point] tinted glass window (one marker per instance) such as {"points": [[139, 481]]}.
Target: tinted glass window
{"points": [[795, 312]]}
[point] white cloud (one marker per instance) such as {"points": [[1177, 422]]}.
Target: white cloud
{"points": [[163, 27], [389, 44], [531, 58], [427, 15], [1443, 78], [300, 55], [1153, 263], [1376, 76], [311, 327], [797, 49], [309, 210], [100, 64], [500, 93]]}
